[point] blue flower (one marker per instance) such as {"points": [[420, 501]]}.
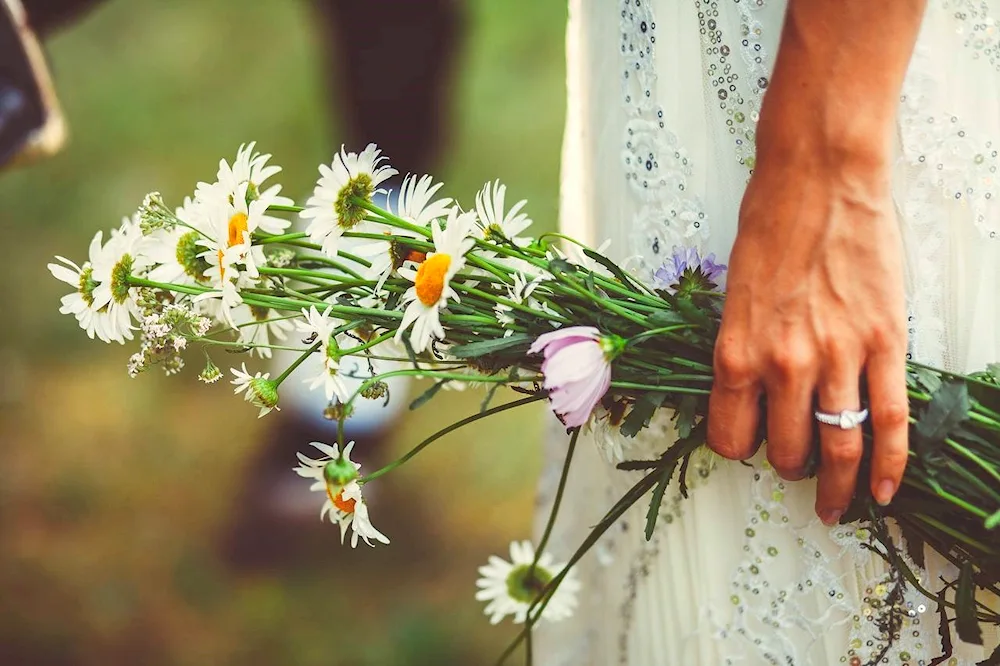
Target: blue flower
{"points": [[687, 270]]}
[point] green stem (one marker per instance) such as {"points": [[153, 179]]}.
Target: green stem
{"points": [[299, 361], [441, 433], [556, 503]]}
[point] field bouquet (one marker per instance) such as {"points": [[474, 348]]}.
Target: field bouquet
{"points": [[423, 286]]}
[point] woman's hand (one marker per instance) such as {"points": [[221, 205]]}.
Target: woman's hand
{"points": [[814, 299], [815, 295]]}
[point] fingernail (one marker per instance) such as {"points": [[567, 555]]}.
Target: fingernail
{"points": [[884, 492], [830, 516]]}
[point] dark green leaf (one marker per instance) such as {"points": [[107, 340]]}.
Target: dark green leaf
{"points": [[610, 265], [664, 318], [588, 282], [949, 407], [965, 608], [685, 415], [557, 266], [634, 465], [944, 631], [693, 313], [428, 394], [929, 380], [657, 498], [914, 545], [476, 349], [641, 413]]}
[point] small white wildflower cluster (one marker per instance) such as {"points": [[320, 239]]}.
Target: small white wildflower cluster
{"points": [[164, 330]]}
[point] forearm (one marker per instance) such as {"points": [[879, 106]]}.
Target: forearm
{"points": [[837, 78]]}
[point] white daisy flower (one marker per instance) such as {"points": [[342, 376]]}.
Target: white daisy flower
{"points": [[431, 280], [415, 203], [257, 389], [319, 326], [497, 224], [510, 590], [331, 208], [81, 303], [245, 180], [519, 292], [256, 330], [175, 252], [121, 258], [232, 259], [337, 477]]}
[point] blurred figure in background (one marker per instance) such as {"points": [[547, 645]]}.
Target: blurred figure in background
{"points": [[389, 82]]}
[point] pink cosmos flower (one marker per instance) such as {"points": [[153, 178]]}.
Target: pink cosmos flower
{"points": [[577, 369]]}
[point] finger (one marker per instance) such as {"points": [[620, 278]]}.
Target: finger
{"points": [[733, 406], [889, 413], [840, 450], [790, 419]]}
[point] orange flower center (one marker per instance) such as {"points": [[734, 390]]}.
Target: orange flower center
{"points": [[416, 257], [430, 278], [346, 506], [237, 227]]}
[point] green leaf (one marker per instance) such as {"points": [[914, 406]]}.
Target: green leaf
{"points": [[684, 415], [483, 347], [693, 313], [657, 498], [641, 413], [944, 631], [561, 266], [611, 266], [664, 318], [965, 608], [428, 394], [929, 380], [914, 545], [949, 407]]}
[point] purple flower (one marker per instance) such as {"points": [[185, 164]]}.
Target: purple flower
{"points": [[577, 369], [687, 270]]}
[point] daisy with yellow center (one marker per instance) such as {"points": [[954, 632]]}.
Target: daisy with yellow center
{"points": [[336, 477], [416, 204], [431, 280], [231, 258], [333, 208], [244, 179]]}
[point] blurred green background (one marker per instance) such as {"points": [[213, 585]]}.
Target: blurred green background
{"points": [[114, 493]]}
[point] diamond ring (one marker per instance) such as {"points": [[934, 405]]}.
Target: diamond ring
{"points": [[845, 420]]}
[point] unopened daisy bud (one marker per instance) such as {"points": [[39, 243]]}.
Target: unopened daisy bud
{"points": [[375, 390], [211, 373], [154, 214], [258, 389], [339, 472]]}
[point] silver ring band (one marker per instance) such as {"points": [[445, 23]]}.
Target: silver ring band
{"points": [[845, 420]]}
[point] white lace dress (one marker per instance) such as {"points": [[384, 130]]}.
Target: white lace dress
{"points": [[663, 102]]}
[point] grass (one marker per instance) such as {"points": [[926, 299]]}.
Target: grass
{"points": [[114, 493]]}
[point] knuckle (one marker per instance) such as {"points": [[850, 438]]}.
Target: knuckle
{"points": [[787, 465], [843, 454], [890, 416], [893, 459], [792, 360], [732, 364]]}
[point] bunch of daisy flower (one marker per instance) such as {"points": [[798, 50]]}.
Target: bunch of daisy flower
{"points": [[465, 296]]}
